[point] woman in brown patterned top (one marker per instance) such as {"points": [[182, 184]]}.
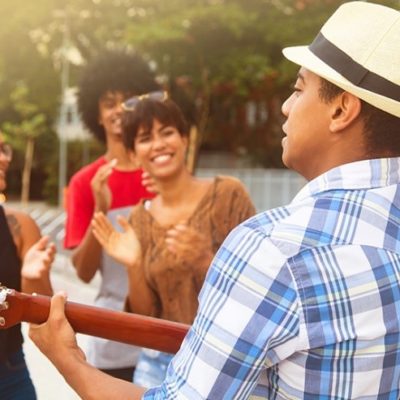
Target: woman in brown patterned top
{"points": [[169, 242]]}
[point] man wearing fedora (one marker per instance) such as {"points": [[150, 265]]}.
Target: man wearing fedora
{"points": [[302, 301]]}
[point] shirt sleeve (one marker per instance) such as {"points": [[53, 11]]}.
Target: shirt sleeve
{"points": [[80, 207], [247, 308]]}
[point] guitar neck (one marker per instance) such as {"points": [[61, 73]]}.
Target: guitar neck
{"points": [[122, 327]]}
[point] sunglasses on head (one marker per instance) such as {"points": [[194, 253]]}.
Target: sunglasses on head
{"points": [[6, 151], [131, 103]]}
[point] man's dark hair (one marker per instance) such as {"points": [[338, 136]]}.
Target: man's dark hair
{"points": [[381, 129], [166, 112], [111, 71]]}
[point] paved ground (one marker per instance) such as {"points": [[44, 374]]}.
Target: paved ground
{"points": [[49, 383]]}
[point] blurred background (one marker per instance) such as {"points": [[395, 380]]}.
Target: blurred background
{"points": [[220, 59]]}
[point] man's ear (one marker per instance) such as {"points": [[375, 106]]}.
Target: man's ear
{"points": [[345, 109]]}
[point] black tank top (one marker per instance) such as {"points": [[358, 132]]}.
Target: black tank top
{"points": [[10, 276]]}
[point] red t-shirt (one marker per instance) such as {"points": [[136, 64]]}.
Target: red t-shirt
{"points": [[126, 188]]}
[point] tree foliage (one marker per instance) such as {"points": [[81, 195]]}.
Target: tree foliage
{"points": [[23, 134], [224, 56]]}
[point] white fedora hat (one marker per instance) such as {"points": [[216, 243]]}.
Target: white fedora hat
{"points": [[358, 49]]}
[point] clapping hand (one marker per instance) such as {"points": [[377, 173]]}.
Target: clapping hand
{"points": [[149, 183], [189, 245], [38, 259], [99, 184], [124, 246]]}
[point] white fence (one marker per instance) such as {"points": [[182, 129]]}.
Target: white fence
{"points": [[268, 188]]}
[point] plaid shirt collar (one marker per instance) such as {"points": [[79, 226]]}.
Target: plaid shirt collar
{"points": [[364, 174]]}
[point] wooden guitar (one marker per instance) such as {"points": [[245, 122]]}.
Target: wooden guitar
{"points": [[139, 330]]}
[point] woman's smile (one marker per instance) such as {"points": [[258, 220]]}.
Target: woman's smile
{"points": [[161, 158]]}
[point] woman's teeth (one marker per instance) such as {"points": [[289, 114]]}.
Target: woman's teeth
{"points": [[162, 158]]}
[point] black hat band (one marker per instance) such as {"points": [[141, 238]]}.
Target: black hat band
{"points": [[351, 70]]}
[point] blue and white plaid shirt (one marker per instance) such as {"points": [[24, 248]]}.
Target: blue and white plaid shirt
{"points": [[303, 301]]}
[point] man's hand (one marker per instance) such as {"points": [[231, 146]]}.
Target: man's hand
{"points": [[38, 259], [100, 189], [55, 338], [123, 247]]}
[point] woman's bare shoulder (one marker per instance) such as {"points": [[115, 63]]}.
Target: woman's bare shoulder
{"points": [[16, 217], [22, 226]]}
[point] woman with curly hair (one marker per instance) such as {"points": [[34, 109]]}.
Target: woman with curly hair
{"points": [[110, 183], [171, 239]]}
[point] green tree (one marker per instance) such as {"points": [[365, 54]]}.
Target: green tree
{"points": [[231, 53], [224, 56], [23, 134]]}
